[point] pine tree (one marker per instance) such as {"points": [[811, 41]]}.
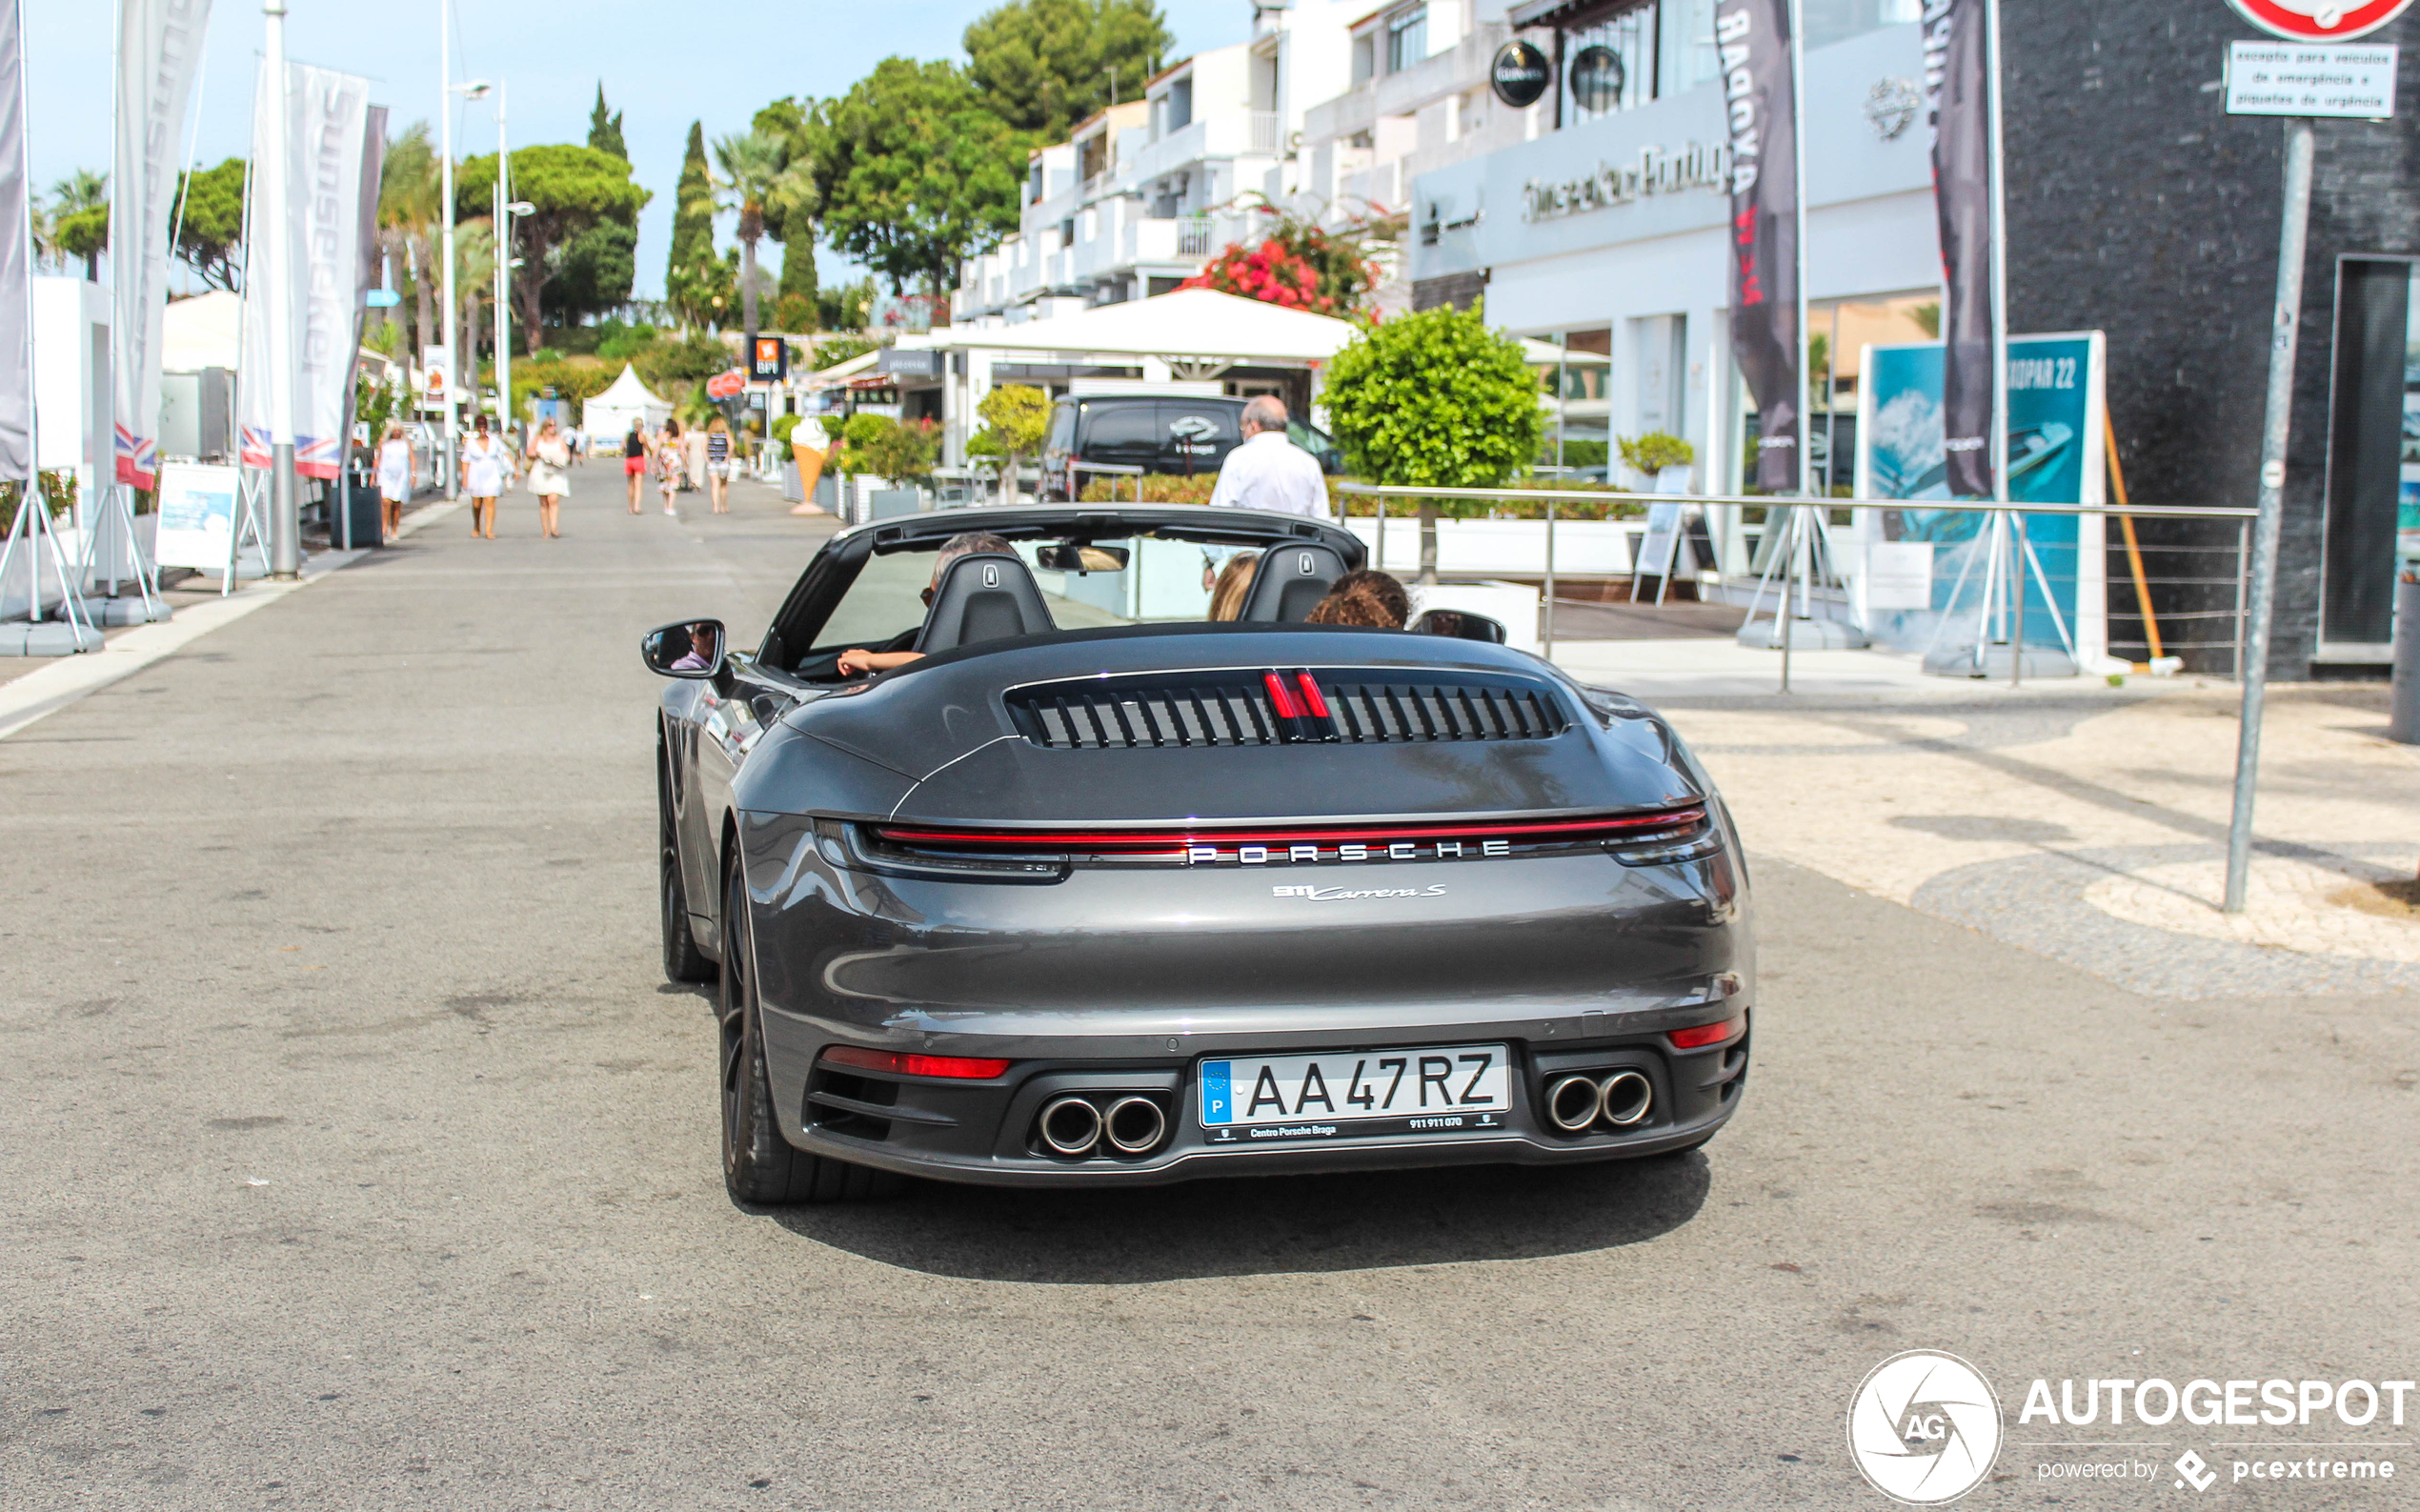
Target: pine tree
{"points": [[605, 132], [688, 273]]}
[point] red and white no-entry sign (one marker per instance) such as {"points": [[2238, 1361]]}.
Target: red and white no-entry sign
{"points": [[2320, 20]]}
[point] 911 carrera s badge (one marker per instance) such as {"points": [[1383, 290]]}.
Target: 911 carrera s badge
{"points": [[1338, 895]]}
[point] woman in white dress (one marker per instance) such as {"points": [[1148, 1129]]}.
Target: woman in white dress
{"points": [[397, 476], [549, 457], [483, 463]]}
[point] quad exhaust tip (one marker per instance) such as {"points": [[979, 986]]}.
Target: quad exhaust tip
{"points": [[1071, 1126], [1134, 1125], [1626, 1097], [1620, 1098]]}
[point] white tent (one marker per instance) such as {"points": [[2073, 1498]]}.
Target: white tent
{"points": [[1199, 332], [610, 414]]}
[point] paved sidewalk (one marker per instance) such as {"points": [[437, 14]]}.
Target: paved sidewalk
{"points": [[2088, 822]]}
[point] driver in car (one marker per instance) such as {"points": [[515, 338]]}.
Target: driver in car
{"points": [[701, 650], [896, 651]]}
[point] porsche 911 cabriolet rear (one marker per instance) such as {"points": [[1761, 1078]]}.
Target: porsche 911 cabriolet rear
{"points": [[1167, 924]]}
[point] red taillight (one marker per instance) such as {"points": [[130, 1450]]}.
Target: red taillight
{"points": [[1530, 832], [965, 1068], [1698, 1036], [1312, 698], [1280, 697]]}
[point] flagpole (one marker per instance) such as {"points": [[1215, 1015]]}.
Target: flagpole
{"points": [[2016, 578], [284, 518], [445, 160], [1799, 548]]}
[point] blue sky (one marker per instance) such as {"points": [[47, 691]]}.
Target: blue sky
{"points": [[660, 66]]}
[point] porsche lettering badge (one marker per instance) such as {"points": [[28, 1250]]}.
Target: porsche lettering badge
{"points": [[1307, 855]]}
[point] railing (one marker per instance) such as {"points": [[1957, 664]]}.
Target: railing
{"points": [[2214, 599], [1193, 236], [1266, 126]]}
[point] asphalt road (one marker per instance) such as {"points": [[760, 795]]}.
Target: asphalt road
{"points": [[354, 1154]]}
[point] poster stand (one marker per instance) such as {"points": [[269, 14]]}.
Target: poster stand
{"points": [[117, 517]]}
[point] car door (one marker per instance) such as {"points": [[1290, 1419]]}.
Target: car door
{"points": [[732, 713], [1196, 435]]}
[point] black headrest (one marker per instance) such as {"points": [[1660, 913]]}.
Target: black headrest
{"points": [[1460, 625], [1290, 581], [983, 595]]}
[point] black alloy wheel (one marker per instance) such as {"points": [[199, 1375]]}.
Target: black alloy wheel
{"points": [[758, 1165], [685, 963]]}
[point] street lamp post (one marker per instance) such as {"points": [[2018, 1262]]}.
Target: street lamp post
{"points": [[503, 221]]}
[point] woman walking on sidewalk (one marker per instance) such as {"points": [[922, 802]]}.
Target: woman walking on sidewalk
{"points": [[397, 476], [671, 462], [483, 462], [634, 461], [549, 457], [719, 464]]}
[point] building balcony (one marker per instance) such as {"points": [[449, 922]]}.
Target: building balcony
{"points": [[1208, 139], [1463, 66]]}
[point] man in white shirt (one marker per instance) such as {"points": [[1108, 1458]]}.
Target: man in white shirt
{"points": [[1268, 472]]}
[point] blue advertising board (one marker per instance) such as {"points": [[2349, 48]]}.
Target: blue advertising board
{"points": [[2055, 456]]}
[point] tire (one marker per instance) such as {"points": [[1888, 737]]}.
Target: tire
{"points": [[685, 964], [760, 1167]]}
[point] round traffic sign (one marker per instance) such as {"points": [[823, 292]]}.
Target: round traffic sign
{"points": [[2320, 20], [726, 385], [1520, 74]]}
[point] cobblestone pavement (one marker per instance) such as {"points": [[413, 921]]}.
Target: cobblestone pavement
{"points": [[2090, 824]]}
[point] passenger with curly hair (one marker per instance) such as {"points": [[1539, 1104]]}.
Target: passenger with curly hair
{"points": [[1364, 597]]}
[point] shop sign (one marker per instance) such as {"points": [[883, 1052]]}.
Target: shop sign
{"points": [[1519, 74], [2320, 20], [2289, 78], [1657, 171]]}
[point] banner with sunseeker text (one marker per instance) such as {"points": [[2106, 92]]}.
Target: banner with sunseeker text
{"points": [[1759, 93]]}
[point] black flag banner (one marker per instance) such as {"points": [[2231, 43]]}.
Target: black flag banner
{"points": [[1754, 39], [1957, 81]]}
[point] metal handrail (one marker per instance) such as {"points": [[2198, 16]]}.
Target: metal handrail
{"points": [[2215, 512], [1383, 491]]}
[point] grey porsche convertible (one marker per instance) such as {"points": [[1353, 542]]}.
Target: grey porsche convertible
{"points": [[1011, 864]]}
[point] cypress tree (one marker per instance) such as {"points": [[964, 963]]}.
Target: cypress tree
{"points": [[605, 132], [688, 270]]}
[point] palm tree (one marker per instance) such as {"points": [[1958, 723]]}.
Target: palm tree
{"points": [[410, 202], [80, 191], [473, 284], [755, 171]]}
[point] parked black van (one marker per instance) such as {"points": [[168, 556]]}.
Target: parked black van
{"points": [[1173, 435]]}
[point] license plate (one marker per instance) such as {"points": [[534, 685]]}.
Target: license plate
{"points": [[1282, 1099]]}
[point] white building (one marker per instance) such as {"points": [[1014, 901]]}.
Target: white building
{"points": [[1607, 230]]}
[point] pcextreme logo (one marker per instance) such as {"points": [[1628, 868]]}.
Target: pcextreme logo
{"points": [[1924, 1428]]}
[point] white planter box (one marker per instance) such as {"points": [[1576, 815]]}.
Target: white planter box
{"points": [[1467, 548]]}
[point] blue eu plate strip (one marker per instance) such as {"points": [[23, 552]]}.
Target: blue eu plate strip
{"points": [[1217, 1101]]}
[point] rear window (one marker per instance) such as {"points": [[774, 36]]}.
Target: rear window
{"points": [[1118, 425]]}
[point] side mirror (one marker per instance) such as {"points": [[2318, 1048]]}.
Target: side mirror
{"points": [[691, 648], [1068, 557], [1460, 624]]}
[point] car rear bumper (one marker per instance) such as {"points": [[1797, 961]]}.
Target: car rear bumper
{"points": [[986, 1132]]}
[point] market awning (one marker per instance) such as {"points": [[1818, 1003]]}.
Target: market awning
{"points": [[1200, 333]]}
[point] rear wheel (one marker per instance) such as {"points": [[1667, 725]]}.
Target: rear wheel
{"points": [[758, 1165], [684, 962]]}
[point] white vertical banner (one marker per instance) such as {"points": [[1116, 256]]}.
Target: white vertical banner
{"points": [[305, 273], [159, 50], [16, 254]]}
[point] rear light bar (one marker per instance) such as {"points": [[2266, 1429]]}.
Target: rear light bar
{"points": [[1173, 841], [1699, 1035], [964, 1068]]}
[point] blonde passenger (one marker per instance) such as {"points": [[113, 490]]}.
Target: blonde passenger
{"points": [[1234, 582]]}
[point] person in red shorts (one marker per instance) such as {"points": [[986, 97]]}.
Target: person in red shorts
{"points": [[634, 462]]}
